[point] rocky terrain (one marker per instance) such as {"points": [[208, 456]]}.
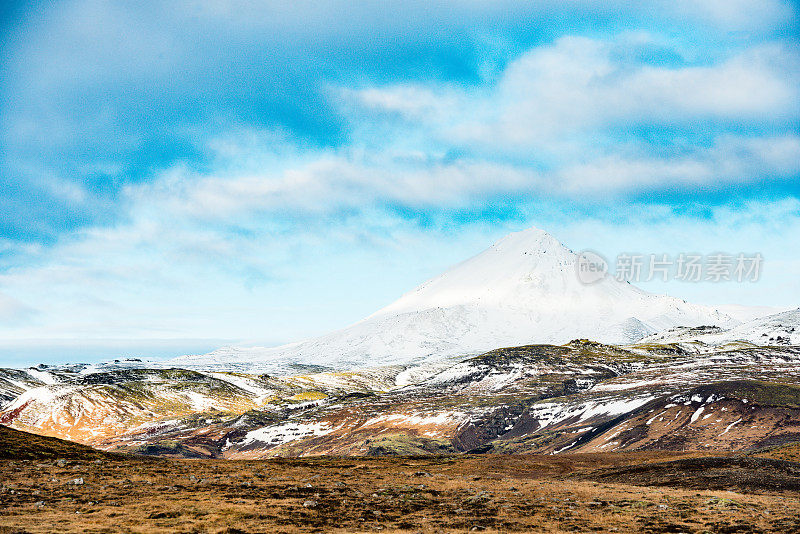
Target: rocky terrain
{"points": [[544, 399]]}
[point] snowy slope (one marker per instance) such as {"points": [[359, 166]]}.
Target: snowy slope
{"points": [[746, 314], [523, 289], [777, 329], [14, 382]]}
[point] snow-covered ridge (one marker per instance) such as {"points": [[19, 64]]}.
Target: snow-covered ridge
{"points": [[584, 396], [777, 329], [523, 289]]}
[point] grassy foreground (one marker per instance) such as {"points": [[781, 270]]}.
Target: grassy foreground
{"points": [[48, 485]]}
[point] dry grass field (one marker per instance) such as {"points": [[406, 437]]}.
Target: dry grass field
{"points": [[47, 485]]}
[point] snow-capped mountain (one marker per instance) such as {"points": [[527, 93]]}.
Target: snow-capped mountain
{"points": [[523, 289]]}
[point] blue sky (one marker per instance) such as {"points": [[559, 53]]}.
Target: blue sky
{"points": [[183, 175]]}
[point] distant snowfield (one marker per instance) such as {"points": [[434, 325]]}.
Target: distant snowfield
{"points": [[522, 290], [746, 314], [777, 329]]}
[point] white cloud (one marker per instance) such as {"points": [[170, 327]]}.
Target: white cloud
{"points": [[731, 160], [579, 86], [572, 110], [334, 182]]}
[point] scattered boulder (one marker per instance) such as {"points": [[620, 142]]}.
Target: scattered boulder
{"points": [[480, 498], [163, 515]]}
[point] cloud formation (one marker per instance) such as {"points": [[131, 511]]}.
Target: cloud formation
{"points": [[96, 95], [182, 170]]}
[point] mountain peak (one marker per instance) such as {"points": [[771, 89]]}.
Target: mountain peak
{"points": [[531, 240], [527, 265]]}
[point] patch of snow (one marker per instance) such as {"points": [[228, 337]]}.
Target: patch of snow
{"points": [[199, 401], [550, 413], [654, 417], [441, 418], [730, 426], [562, 449], [42, 376], [284, 433], [696, 414], [781, 328]]}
